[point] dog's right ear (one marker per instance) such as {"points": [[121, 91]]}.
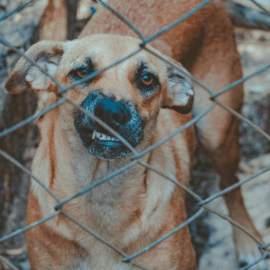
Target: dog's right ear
{"points": [[47, 55], [180, 94]]}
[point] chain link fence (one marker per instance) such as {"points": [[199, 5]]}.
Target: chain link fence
{"points": [[136, 159]]}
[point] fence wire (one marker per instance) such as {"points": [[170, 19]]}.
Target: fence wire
{"points": [[136, 159]]}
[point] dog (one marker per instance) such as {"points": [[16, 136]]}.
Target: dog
{"points": [[139, 206], [204, 44]]}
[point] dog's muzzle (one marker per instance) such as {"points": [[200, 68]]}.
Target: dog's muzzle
{"points": [[122, 116]]}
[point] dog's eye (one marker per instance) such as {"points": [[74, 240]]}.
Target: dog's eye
{"points": [[82, 72], [147, 79]]}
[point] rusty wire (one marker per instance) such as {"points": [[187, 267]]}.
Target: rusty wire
{"points": [[136, 156]]}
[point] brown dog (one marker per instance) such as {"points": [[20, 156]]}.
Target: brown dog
{"points": [[139, 206], [205, 45]]}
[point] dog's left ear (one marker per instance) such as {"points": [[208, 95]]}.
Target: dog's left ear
{"points": [[47, 55], [180, 93]]}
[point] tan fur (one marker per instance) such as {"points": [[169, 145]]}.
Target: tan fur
{"points": [[54, 21], [130, 211], [139, 206]]}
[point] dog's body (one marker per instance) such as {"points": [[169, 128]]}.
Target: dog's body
{"points": [[132, 210], [137, 207]]}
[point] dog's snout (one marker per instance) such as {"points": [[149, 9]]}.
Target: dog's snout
{"points": [[111, 112], [121, 115]]}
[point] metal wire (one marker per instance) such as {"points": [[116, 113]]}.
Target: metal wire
{"points": [[8, 263], [199, 213], [16, 10], [136, 155], [261, 7], [254, 263], [2, 239]]}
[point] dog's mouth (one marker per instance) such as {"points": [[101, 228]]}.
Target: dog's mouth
{"points": [[102, 145], [103, 137], [90, 136]]}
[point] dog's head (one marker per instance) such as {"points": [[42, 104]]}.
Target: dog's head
{"points": [[127, 97]]}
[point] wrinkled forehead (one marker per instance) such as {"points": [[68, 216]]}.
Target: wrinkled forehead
{"points": [[103, 50]]}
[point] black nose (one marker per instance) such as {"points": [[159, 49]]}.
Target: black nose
{"points": [[111, 112]]}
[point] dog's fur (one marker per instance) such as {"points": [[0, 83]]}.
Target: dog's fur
{"points": [[137, 207]]}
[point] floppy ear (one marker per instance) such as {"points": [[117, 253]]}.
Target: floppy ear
{"points": [[47, 55], [180, 93]]}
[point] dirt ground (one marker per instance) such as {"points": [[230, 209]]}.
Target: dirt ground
{"points": [[212, 236]]}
